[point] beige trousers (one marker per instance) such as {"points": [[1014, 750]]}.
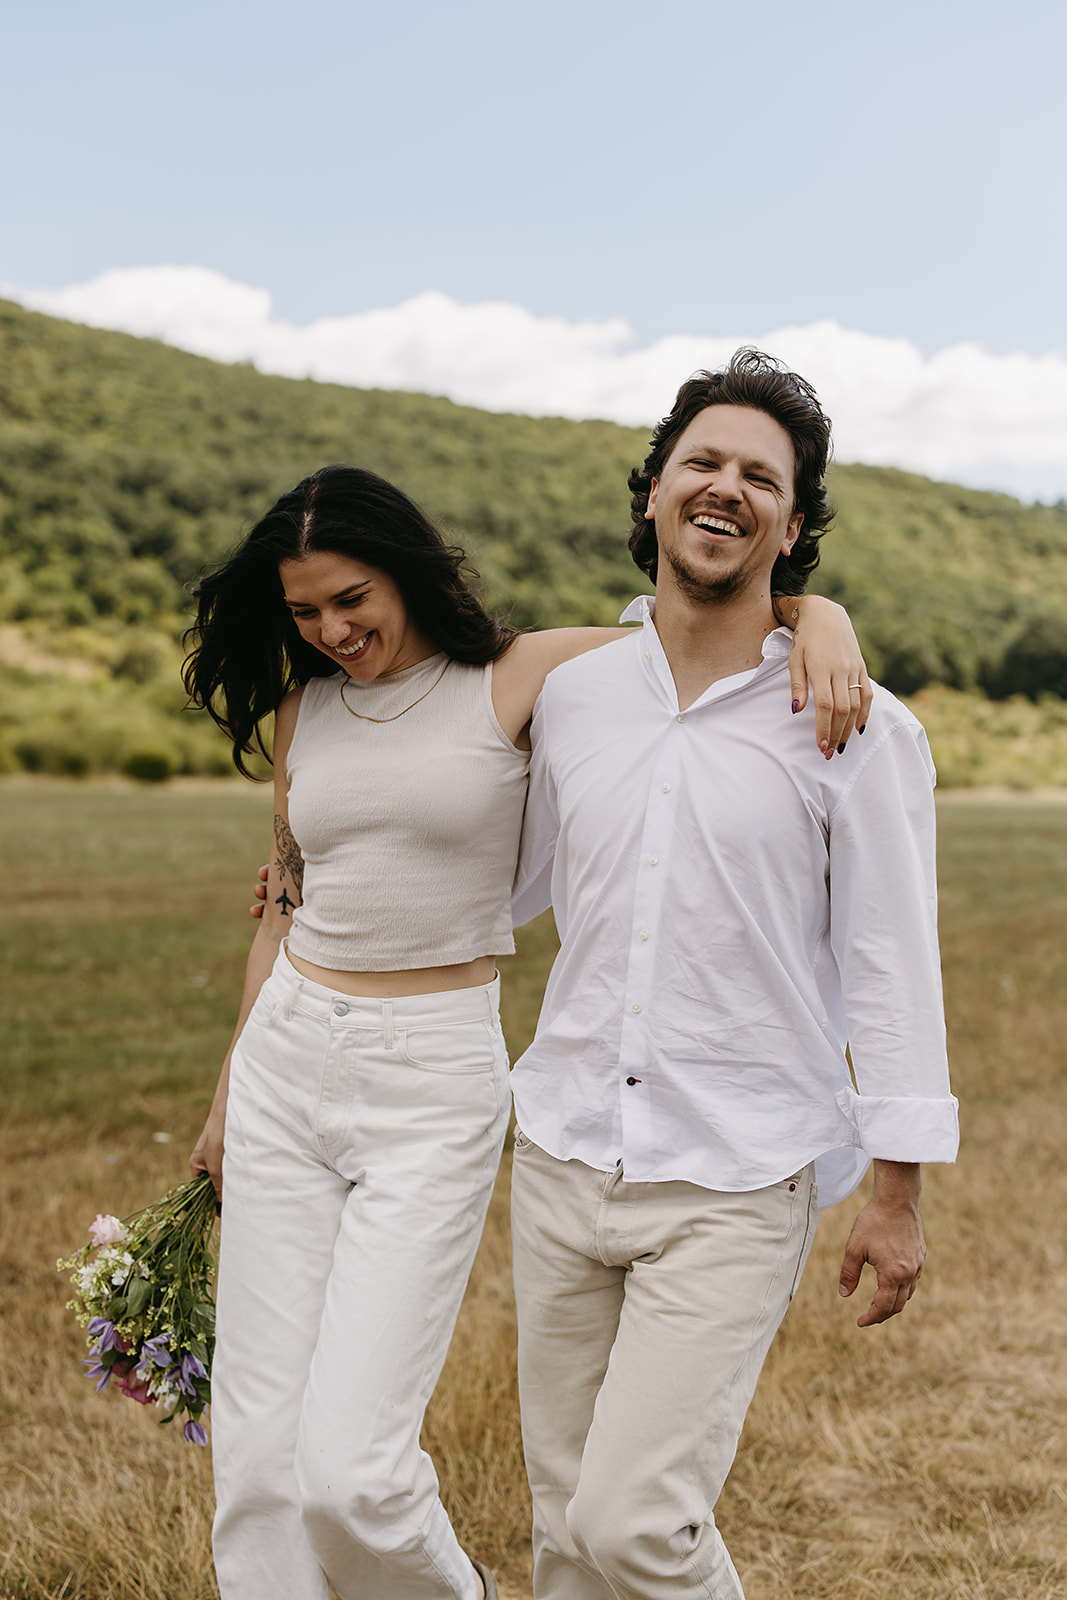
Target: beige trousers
{"points": [[645, 1314]]}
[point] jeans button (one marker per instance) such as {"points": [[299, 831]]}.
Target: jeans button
{"points": [[340, 1009]]}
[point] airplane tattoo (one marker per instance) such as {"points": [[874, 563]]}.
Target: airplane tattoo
{"points": [[289, 861]]}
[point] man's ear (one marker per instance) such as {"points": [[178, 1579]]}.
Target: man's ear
{"points": [[796, 522], [650, 509]]}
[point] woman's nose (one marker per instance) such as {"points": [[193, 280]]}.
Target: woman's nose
{"points": [[333, 629]]}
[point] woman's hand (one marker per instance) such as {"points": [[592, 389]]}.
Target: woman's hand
{"points": [[260, 892], [207, 1154], [826, 651]]}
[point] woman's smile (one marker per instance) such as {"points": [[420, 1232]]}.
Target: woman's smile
{"points": [[353, 649], [328, 594]]}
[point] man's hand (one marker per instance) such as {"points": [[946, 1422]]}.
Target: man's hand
{"points": [[261, 893], [889, 1234]]}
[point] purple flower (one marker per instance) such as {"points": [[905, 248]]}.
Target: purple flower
{"points": [[195, 1432], [155, 1349], [95, 1369], [190, 1368], [104, 1334]]}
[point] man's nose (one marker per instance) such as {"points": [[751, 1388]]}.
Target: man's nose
{"points": [[727, 484]]}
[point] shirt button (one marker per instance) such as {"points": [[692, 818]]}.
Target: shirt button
{"points": [[340, 1009], [653, 861], [680, 717], [643, 934], [648, 655], [635, 1008], [665, 788]]}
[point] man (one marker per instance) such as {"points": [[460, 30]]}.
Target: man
{"points": [[733, 909]]}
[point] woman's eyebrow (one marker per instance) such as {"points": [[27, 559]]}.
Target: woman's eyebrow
{"points": [[354, 588]]}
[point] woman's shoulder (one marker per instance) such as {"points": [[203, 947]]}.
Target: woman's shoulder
{"points": [[288, 706], [312, 692], [534, 655], [304, 701], [519, 676]]}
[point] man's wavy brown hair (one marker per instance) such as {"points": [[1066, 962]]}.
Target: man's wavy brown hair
{"points": [[761, 383]]}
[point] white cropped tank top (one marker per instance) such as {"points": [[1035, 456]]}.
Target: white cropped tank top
{"points": [[409, 828]]}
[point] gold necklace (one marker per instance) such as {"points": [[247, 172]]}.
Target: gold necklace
{"points": [[362, 715]]}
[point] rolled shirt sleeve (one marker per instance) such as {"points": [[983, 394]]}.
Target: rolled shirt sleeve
{"points": [[883, 931]]}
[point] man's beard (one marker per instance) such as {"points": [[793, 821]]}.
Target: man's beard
{"points": [[706, 588]]}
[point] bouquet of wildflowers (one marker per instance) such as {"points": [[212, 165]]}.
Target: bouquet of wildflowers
{"points": [[142, 1291]]}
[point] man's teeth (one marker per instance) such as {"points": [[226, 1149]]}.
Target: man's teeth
{"points": [[716, 525], [350, 650]]}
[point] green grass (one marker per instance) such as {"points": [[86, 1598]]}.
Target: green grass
{"points": [[124, 946]]}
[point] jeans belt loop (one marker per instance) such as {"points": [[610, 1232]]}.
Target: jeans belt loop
{"points": [[387, 1024]]}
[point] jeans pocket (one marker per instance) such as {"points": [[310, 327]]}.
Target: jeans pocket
{"points": [[811, 1219], [264, 1008], [454, 1048]]}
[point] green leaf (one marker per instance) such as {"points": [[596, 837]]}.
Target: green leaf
{"points": [[138, 1296]]}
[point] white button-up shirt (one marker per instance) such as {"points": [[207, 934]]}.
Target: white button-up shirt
{"points": [[733, 911]]}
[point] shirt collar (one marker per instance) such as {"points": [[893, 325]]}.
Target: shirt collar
{"points": [[776, 648]]}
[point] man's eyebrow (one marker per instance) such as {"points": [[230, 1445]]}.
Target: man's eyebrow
{"points": [[764, 467], [353, 588], [705, 452]]}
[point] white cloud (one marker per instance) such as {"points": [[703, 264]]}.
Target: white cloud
{"points": [[963, 414]]}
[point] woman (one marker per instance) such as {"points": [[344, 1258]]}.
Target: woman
{"points": [[365, 1097]]}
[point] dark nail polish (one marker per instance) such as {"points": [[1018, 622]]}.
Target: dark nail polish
{"points": [[796, 707], [840, 749], [863, 729]]}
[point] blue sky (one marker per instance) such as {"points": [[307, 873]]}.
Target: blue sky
{"points": [[692, 168], [566, 207]]}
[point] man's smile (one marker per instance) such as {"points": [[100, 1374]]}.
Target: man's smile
{"points": [[703, 519]]}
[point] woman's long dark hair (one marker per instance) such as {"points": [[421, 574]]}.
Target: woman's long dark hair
{"points": [[246, 649]]}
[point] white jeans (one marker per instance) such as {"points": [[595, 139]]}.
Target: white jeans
{"points": [[645, 1313], [362, 1140]]}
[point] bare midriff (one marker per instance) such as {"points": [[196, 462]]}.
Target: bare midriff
{"points": [[390, 985]]}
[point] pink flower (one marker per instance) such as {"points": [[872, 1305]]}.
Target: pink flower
{"points": [[106, 1230], [132, 1385]]}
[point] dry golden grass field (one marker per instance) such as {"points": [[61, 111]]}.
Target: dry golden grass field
{"points": [[925, 1460]]}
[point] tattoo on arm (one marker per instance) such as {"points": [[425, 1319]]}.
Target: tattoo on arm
{"points": [[290, 864]]}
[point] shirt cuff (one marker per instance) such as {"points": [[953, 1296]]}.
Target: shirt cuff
{"points": [[903, 1127]]}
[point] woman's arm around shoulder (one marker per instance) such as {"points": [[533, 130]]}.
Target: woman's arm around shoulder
{"points": [[519, 676], [826, 651], [284, 892]]}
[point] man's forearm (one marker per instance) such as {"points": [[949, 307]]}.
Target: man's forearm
{"points": [[897, 1183]]}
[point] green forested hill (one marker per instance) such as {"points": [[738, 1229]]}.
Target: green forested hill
{"points": [[125, 466]]}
